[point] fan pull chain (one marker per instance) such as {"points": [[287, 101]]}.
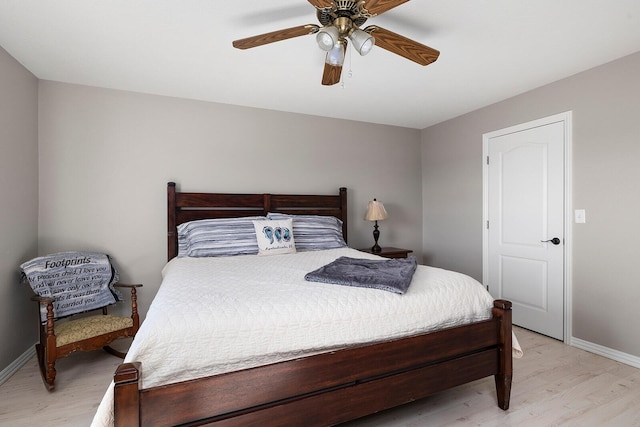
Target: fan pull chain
{"points": [[350, 72]]}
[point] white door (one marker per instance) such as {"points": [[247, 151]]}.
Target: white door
{"points": [[524, 220]]}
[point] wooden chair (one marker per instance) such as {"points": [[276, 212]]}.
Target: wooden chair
{"points": [[69, 286], [59, 338]]}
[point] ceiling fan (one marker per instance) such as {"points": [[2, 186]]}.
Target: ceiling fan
{"points": [[341, 22]]}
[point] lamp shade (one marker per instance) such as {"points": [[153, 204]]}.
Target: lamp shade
{"points": [[362, 41], [375, 211], [327, 38], [335, 56]]}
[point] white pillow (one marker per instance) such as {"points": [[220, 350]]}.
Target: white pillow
{"points": [[275, 237]]}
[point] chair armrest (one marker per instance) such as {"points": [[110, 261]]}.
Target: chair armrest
{"points": [[134, 302], [127, 285], [43, 300]]}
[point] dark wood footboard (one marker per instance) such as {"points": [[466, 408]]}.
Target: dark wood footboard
{"points": [[328, 388]]}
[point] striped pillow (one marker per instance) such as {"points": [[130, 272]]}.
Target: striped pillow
{"points": [[314, 232], [218, 237]]}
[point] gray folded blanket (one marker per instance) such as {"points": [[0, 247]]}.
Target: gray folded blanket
{"points": [[392, 275]]}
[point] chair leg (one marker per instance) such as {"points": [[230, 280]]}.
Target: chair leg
{"points": [[49, 348], [114, 352], [47, 370]]}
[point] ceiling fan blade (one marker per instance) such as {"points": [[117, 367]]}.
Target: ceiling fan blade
{"points": [[333, 65], [275, 36], [331, 74], [400, 45], [378, 7], [321, 4]]}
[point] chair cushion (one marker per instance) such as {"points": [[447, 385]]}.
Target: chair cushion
{"points": [[89, 327]]}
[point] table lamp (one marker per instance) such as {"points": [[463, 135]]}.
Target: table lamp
{"points": [[375, 212]]}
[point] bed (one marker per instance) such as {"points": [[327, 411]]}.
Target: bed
{"points": [[329, 384]]}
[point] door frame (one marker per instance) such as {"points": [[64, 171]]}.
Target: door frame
{"points": [[567, 119]]}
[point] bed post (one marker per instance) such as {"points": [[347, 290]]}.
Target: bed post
{"points": [[502, 311], [126, 396], [343, 209], [172, 238]]}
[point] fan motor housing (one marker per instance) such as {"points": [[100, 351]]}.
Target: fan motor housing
{"points": [[347, 9]]}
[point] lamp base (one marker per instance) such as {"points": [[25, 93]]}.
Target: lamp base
{"points": [[376, 235]]}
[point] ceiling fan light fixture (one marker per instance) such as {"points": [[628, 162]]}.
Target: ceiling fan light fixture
{"points": [[327, 38], [335, 56], [362, 41]]}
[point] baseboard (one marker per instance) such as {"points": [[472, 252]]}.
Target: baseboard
{"points": [[7, 372], [607, 352]]}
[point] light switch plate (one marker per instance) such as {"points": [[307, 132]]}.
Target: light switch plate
{"points": [[580, 216]]}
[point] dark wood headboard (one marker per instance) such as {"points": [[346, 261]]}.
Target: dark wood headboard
{"points": [[183, 207]]}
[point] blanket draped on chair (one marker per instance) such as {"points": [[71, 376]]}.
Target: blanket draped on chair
{"points": [[78, 281]]}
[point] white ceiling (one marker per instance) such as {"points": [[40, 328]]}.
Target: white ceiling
{"points": [[490, 50]]}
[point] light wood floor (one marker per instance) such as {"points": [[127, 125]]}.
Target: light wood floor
{"points": [[554, 385]]}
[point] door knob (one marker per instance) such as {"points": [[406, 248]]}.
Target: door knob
{"points": [[555, 241]]}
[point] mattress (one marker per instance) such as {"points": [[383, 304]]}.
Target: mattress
{"points": [[245, 311]]}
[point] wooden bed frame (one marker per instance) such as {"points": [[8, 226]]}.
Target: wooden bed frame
{"points": [[324, 389]]}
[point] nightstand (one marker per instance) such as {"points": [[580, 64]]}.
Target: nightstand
{"points": [[389, 252]]}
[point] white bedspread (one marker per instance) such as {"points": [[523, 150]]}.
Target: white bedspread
{"points": [[214, 315]]}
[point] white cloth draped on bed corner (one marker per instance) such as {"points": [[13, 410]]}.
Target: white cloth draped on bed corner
{"points": [[256, 310], [516, 350]]}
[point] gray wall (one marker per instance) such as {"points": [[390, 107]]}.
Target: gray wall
{"points": [[606, 149], [106, 156], [19, 211]]}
